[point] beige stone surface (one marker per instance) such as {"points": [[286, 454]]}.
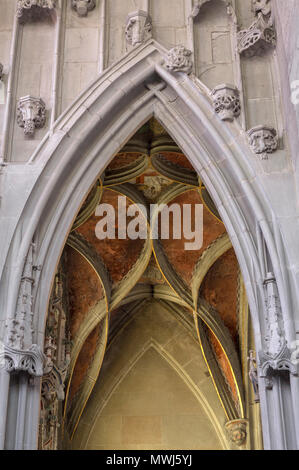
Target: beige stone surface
{"points": [[154, 391]]}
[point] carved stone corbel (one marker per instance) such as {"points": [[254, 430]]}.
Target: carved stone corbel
{"points": [[138, 27], [263, 140], [237, 431], [82, 7], [179, 60], [261, 34], [226, 102], [28, 10], [271, 366], [31, 114]]}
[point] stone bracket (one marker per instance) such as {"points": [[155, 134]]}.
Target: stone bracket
{"points": [[31, 114]]}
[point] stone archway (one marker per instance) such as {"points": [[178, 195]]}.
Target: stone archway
{"points": [[81, 144]]}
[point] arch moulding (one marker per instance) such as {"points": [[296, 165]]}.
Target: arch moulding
{"points": [[77, 150]]}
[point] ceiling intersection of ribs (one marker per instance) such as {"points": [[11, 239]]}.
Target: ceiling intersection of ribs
{"points": [[108, 280]]}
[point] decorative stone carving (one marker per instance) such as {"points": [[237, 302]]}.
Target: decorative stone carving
{"points": [[261, 34], [271, 366], [226, 102], [179, 60], [82, 7], [275, 328], [277, 357], [31, 114], [237, 431], [30, 360], [253, 376], [138, 27], [263, 140], [57, 352], [19, 353], [28, 10], [263, 6]]}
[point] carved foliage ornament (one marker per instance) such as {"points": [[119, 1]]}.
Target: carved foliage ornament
{"points": [[31, 114], [263, 140], [261, 34], [138, 27], [226, 102], [179, 60], [32, 9], [82, 7]]}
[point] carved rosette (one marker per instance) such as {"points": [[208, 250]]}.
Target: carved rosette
{"points": [[179, 60], [261, 34], [226, 102], [82, 7], [31, 114], [138, 27], [263, 140], [237, 431], [28, 10]]}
